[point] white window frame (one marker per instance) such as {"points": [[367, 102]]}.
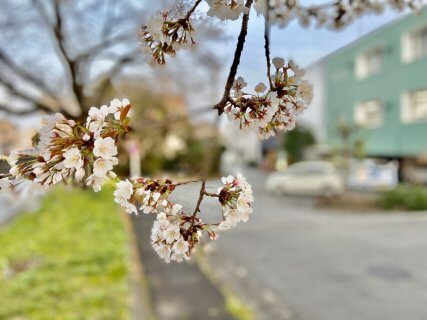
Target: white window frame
{"points": [[360, 113], [407, 114], [363, 68], [411, 45]]}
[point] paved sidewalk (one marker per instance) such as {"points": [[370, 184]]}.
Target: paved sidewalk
{"points": [[178, 291]]}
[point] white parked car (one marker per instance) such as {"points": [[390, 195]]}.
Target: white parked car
{"points": [[307, 178]]}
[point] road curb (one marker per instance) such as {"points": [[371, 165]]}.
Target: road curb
{"points": [[226, 274], [141, 306]]}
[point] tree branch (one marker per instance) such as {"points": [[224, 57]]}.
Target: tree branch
{"points": [[26, 75], [236, 60], [201, 196], [193, 8], [18, 112], [267, 43], [69, 64], [37, 104]]}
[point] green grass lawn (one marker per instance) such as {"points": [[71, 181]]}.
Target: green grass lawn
{"points": [[68, 260]]}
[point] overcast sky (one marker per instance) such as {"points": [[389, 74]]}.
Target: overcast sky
{"points": [[305, 46]]}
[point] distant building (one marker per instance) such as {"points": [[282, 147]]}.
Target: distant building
{"points": [[378, 84], [314, 116]]}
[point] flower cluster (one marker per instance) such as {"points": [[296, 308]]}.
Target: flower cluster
{"points": [[235, 198], [66, 149], [335, 15], [150, 195], [226, 9], [271, 109], [162, 36], [175, 233]]}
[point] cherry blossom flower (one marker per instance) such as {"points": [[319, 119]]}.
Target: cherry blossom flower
{"points": [[275, 109], [335, 15], [123, 192], [105, 148], [66, 148], [162, 36], [147, 194], [73, 159], [102, 166], [235, 198], [226, 9]]}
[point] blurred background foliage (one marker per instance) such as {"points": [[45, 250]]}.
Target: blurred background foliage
{"points": [[296, 141]]}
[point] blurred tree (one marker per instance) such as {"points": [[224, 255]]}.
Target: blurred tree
{"points": [[351, 144], [52, 52], [296, 141], [63, 56]]}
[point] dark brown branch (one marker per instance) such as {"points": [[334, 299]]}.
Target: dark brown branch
{"points": [[190, 12], [201, 196], [57, 30], [236, 60], [207, 165], [186, 182], [69, 62], [213, 195], [267, 43]]}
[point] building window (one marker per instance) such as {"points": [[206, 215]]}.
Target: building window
{"points": [[369, 63], [414, 106], [414, 45], [369, 114]]}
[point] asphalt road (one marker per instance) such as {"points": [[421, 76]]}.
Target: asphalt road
{"points": [[331, 265]]}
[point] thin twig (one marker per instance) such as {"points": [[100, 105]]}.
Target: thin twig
{"points": [[201, 196], [267, 43], [185, 182], [236, 60], [190, 12], [207, 165], [213, 195]]}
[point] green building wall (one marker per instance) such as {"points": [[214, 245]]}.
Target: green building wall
{"points": [[344, 91]]}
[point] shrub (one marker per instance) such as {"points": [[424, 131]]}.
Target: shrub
{"points": [[405, 197]]}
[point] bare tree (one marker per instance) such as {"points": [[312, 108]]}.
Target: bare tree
{"points": [[59, 55], [62, 56]]}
